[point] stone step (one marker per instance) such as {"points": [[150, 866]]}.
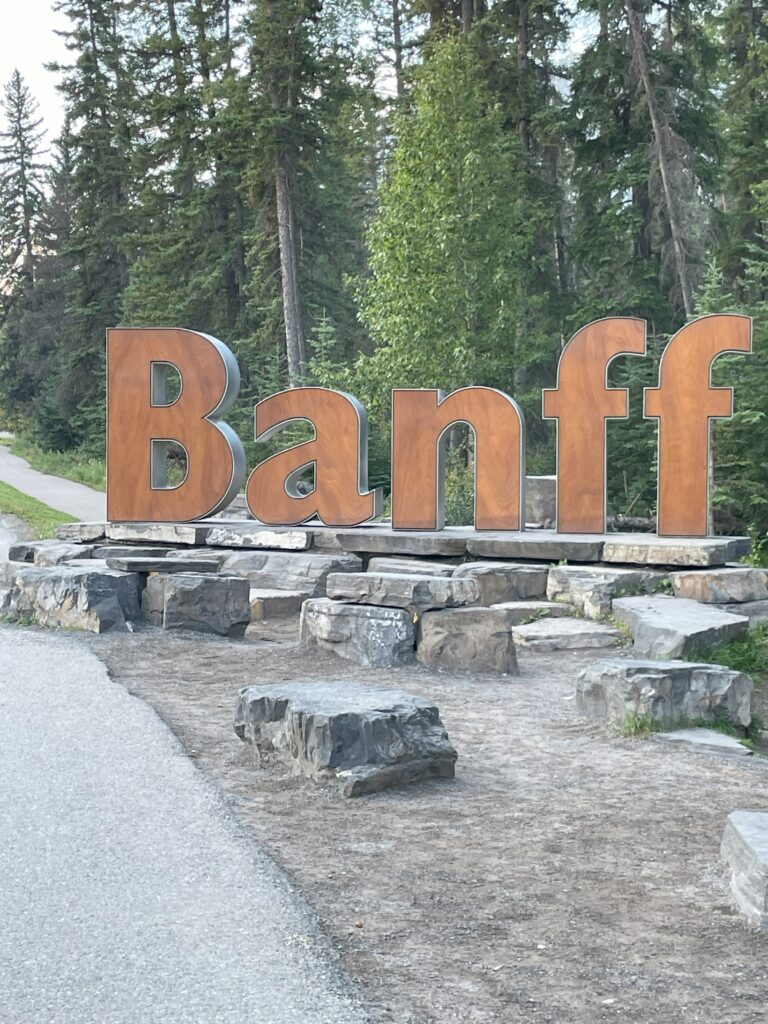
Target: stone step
{"points": [[391, 590], [706, 741], [81, 533], [541, 545], [366, 634], [254, 536], [383, 540], [468, 640], [175, 534], [553, 634], [361, 739], [672, 627], [669, 693], [271, 604], [729, 585], [745, 850], [755, 611], [305, 571], [168, 564], [411, 567], [592, 589], [504, 581], [647, 549], [200, 602], [89, 598]]}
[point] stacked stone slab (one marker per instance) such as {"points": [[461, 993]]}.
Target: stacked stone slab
{"points": [[198, 602], [366, 634], [671, 627], [591, 589], [745, 850], [362, 740], [301, 572], [555, 634], [498, 582], [668, 693], [468, 639], [68, 597], [398, 590], [739, 589]]}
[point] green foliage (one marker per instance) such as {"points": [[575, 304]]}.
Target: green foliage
{"points": [[639, 724], [748, 654], [41, 518]]}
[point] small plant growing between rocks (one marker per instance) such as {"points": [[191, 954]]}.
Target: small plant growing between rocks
{"points": [[639, 724]]}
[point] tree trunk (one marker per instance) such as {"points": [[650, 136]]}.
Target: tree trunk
{"points": [[522, 66], [467, 15], [289, 271], [397, 37], [658, 134]]}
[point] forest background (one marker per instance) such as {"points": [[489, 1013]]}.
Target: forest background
{"points": [[368, 194]]}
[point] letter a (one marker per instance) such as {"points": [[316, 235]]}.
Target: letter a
{"points": [[685, 403], [338, 454], [140, 424], [582, 403], [421, 420]]}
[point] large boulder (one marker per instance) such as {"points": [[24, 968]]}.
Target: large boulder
{"points": [[745, 850], [305, 572], [552, 634], [591, 589], [668, 693], [730, 585], [392, 590], [73, 597], [468, 640], [362, 740], [504, 581], [366, 634], [198, 602], [671, 627]]}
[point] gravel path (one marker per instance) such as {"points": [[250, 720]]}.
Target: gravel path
{"points": [[63, 495], [127, 891]]}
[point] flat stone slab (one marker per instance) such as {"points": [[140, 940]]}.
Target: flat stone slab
{"points": [[383, 540], [647, 549], [755, 611], [252, 535], [671, 693], [362, 740], [175, 534], [81, 533], [269, 604], [729, 585], [198, 602], [468, 640], [51, 552], [520, 612], [672, 627], [504, 581], [167, 564], [303, 571], [552, 634], [707, 741], [542, 545], [410, 566], [391, 590], [105, 551], [366, 634], [94, 599], [745, 850], [591, 589]]}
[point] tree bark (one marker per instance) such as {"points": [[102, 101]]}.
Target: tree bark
{"points": [[289, 272], [522, 66], [397, 38], [638, 46]]}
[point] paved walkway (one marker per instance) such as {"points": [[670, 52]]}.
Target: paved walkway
{"points": [[64, 495], [127, 892]]}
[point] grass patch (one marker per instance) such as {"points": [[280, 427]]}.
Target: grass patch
{"points": [[639, 723], [72, 465], [41, 518], [747, 654]]}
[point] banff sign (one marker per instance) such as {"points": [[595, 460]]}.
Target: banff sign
{"points": [[142, 424]]}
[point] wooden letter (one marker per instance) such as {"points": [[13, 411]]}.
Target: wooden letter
{"points": [[338, 453], [582, 403], [684, 404], [421, 420], [140, 425]]}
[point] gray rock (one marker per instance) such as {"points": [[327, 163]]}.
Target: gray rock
{"points": [[73, 597], [755, 611], [270, 604], [362, 740], [391, 590], [198, 602], [670, 693], [383, 540], [51, 552], [519, 612], [745, 850], [366, 634], [468, 640], [104, 551], [411, 567], [504, 581], [166, 565], [591, 589], [24, 551], [646, 549], [722, 586], [671, 627], [159, 533], [253, 535], [707, 741], [542, 545], [541, 500], [81, 533], [551, 634], [304, 572]]}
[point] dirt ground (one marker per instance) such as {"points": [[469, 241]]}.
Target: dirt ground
{"points": [[565, 875]]}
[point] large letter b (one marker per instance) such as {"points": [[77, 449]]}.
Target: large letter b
{"points": [[141, 423]]}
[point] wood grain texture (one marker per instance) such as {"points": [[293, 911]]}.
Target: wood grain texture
{"points": [[419, 425], [339, 453], [685, 403], [582, 403], [215, 461]]}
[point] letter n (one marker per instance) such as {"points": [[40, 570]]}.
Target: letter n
{"points": [[140, 425], [582, 403], [685, 403], [421, 420]]}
